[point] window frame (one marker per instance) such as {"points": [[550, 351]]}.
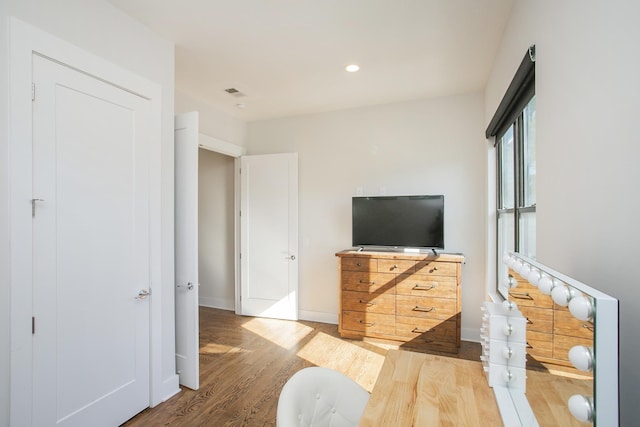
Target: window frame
{"points": [[518, 171], [511, 113]]}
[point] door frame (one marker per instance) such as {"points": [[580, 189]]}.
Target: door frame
{"points": [[216, 145], [26, 40], [209, 143]]}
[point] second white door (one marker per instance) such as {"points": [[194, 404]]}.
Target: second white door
{"points": [[186, 247], [269, 235]]}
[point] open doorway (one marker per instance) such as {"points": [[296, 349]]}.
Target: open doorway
{"points": [[216, 229], [209, 194], [190, 145]]}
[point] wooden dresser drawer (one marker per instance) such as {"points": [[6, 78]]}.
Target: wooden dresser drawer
{"points": [[565, 324], [426, 330], [368, 282], [369, 323], [429, 286], [562, 344], [526, 295], [432, 308], [397, 266], [538, 319], [539, 344], [370, 303], [359, 264], [438, 268]]}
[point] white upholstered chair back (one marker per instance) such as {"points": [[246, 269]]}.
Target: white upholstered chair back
{"points": [[321, 397]]}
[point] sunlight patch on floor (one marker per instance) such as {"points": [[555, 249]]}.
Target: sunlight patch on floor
{"points": [[285, 333], [570, 374], [213, 348], [355, 361]]}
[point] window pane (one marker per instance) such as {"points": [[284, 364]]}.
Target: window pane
{"points": [[516, 152], [507, 175], [529, 153], [506, 243], [527, 234]]}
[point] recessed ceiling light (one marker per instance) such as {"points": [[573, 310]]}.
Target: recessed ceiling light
{"points": [[352, 68]]}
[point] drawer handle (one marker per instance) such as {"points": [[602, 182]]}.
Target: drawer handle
{"points": [[395, 267], [364, 282], [369, 303], [423, 309], [422, 331], [362, 322], [358, 264], [521, 295], [424, 288]]}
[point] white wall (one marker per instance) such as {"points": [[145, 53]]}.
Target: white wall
{"points": [[424, 147], [5, 296], [588, 105], [97, 27], [213, 122], [216, 230]]}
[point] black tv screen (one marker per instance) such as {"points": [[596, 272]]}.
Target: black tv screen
{"points": [[398, 221]]}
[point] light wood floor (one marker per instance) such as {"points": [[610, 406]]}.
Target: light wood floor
{"points": [[245, 361]]}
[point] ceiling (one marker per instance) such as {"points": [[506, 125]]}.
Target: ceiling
{"points": [[288, 57]]}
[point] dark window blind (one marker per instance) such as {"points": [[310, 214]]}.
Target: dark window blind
{"points": [[519, 92]]}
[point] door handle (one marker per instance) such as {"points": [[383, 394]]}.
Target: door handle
{"points": [[143, 294], [33, 206], [293, 257], [188, 286]]}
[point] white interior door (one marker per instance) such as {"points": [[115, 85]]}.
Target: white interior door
{"points": [[91, 145], [269, 235], [186, 255]]}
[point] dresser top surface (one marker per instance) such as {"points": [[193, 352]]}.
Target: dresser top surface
{"points": [[423, 256]]}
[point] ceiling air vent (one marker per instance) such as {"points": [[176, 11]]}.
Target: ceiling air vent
{"points": [[235, 92]]}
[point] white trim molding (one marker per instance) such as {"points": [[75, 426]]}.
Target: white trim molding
{"points": [[318, 316], [219, 146]]}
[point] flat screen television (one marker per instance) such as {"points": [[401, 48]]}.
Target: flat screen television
{"points": [[398, 221]]}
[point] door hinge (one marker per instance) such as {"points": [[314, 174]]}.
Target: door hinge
{"points": [[33, 91], [33, 325]]}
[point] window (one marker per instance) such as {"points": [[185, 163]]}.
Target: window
{"points": [[516, 188], [513, 127]]}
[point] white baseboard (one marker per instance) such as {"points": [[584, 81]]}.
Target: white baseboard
{"points": [[311, 316], [170, 387], [318, 316], [221, 303]]}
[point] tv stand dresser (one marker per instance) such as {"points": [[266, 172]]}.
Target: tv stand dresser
{"points": [[411, 298]]}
